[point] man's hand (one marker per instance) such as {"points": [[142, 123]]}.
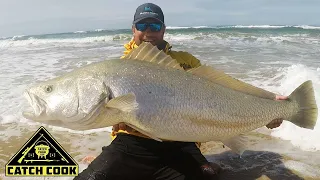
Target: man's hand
{"points": [[278, 97], [122, 126], [211, 171], [276, 122], [88, 159]]}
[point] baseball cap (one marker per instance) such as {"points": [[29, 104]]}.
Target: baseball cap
{"points": [[148, 10]]}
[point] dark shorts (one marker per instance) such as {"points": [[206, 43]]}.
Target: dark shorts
{"points": [[130, 157]]}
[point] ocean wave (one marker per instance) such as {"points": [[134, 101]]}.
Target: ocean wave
{"points": [[99, 30], [220, 35], [59, 41], [307, 27], [119, 37], [179, 37], [186, 27], [213, 37], [284, 82], [80, 32], [242, 38], [271, 26], [257, 26], [213, 29], [289, 79], [17, 37], [34, 41]]}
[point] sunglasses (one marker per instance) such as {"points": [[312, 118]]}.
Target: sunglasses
{"points": [[154, 27]]}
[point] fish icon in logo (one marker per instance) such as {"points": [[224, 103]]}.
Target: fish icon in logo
{"points": [[147, 9]]}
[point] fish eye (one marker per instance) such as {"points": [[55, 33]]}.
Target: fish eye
{"points": [[48, 89]]}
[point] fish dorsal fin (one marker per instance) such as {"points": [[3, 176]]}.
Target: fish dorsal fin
{"points": [[219, 77], [148, 52]]}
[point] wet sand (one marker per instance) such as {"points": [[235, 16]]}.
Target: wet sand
{"points": [[268, 157], [279, 161]]}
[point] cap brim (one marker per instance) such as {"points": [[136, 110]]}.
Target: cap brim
{"points": [[143, 18]]}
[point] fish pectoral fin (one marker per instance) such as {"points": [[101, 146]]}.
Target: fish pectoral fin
{"points": [[144, 132], [126, 103], [237, 144]]}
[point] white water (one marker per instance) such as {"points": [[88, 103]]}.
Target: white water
{"points": [[304, 138], [29, 63], [265, 62]]}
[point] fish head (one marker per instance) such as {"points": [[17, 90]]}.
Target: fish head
{"points": [[66, 99]]}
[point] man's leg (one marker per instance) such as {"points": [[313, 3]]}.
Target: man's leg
{"points": [[209, 170], [132, 157], [115, 162], [184, 161], [178, 162], [102, 167]]}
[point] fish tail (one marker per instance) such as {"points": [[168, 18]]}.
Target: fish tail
{"points": [[308, 111]]}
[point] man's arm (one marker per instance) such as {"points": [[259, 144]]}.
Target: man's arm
{"points": [[276, 122]]}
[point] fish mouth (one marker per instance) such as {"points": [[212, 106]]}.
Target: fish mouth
{"points": [[38, 106]]}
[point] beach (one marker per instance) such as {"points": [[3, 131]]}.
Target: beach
{"points": [[275, 58]]}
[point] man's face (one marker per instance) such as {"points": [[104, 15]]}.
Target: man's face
{"points": [[154, 37]]}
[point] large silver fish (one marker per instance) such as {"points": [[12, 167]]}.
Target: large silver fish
{"points": [[150, 92]]}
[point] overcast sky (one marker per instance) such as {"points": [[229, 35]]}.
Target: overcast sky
{"points": [[25, 17]]}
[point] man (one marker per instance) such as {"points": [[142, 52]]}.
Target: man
{"points": [[132, 155]]}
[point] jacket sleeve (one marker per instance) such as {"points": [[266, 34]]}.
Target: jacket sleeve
{"points": [[194, 61], [185, 59]]}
